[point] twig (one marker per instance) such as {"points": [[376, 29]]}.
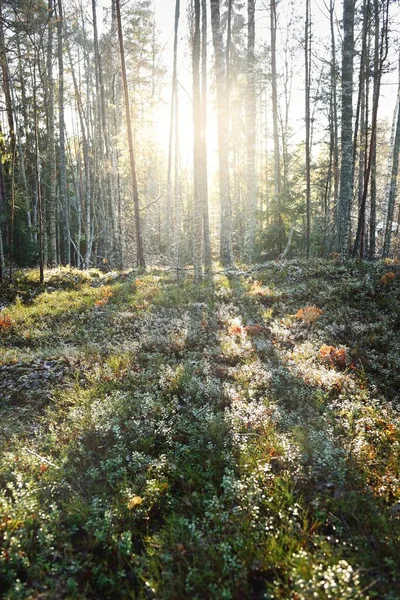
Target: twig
{"points": [[41, 458]]}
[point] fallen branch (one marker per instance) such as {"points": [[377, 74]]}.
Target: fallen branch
{"points": [[41, 458]]}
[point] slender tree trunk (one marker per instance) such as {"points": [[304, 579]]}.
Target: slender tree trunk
{"points": [[109, 208], [31, 210], [61, 124], [383, 51], [360, 135], [372, 218], [37, 174], [223, 138], [346, 172], [228, 58], [177, 216], [204, 167], [267, 202], [307, 52], [3, 204], [334, 124], [139, 242], [274, 93], [251, 134], [169, 219], [51, 155], [86, 161], [197, 162]]}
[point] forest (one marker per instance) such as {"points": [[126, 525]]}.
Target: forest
{"points": [[199, 299]]}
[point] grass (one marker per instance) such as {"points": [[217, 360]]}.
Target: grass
{"points": [[237, 438]]}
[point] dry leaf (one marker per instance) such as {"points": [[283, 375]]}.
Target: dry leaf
{"points": [[134, 502]]}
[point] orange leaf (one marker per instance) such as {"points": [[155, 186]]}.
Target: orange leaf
{"points": [[309, 314], [325, 350], [235, 330], [6, 321], [101, 302], [387, 278]]}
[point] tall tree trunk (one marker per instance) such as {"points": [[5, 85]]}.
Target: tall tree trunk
{"points": [[334, 122], [138, 228], [105, 153], [3, 204], [223, 138], [307, 52], [197, 162], [61, 125], [372, 217], [346, 172], [86, 161], [177, 217], [37, 175], [266, 169], [251, 134], [51, 154], [361, 132], [274, 93], [169, 219], [204, 166], [383, 51], [228, 58]]}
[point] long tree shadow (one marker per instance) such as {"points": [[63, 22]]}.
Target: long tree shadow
{"points": [[333, 483], [195, 463]]}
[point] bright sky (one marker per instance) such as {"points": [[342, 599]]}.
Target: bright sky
{"points": [[294, 27], [288, 25]]}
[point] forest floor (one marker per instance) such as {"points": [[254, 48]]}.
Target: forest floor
{"points": [[233, 439]]}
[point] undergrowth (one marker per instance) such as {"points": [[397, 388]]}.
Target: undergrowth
{"points": [[237, 438]]}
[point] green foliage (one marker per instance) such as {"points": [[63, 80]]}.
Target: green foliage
{"points": [[199, 440]]}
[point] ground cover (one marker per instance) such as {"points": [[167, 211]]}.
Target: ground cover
{"points": [[237, 438]]}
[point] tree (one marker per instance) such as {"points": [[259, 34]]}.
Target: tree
{"points": [[197, 149], [223, 140], [274, 94], [307, 52], [346, 171], [51, 150], [3, 203], [251, 134], [139, 242], [383, 50], [204, 167], [62, 156]]}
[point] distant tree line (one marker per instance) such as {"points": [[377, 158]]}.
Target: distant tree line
{"points": [[85, 179]]}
